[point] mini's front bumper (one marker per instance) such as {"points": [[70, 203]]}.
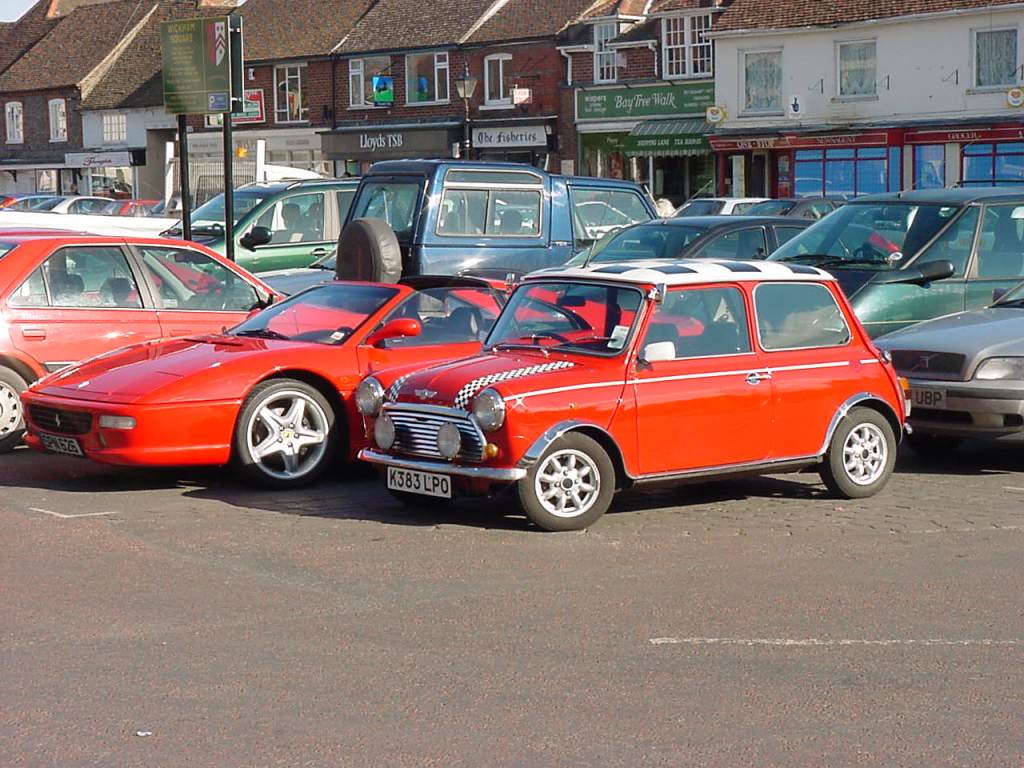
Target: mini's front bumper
{"points": [[492, 474]]}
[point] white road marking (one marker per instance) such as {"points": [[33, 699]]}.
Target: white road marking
{"points": [[1011, 488], [826, 643], [62, 516], [976, 529]]}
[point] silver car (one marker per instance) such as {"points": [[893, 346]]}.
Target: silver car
{"points": [[966, 374]]}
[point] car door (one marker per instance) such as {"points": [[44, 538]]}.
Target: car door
{"points": [[300, 229], [999, 254], [709, 405], [194, 292], [83, 300]]}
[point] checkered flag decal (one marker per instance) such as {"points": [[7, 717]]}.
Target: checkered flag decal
{"points": [[392, 394], [469, 391]]}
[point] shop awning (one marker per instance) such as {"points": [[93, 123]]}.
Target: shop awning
{"points": [[668, 138]]}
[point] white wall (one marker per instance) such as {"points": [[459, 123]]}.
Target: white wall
{"points": [[139, 121]]}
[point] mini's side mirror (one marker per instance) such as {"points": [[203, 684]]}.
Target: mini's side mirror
{"points": [[393, 329], [255, 237], [657, 351]]}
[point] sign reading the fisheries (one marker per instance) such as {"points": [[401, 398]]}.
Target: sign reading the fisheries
{"points": [[645, 101], [197, 66]]}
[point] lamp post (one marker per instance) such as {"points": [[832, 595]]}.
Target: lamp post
{"points": [[465, 85]]}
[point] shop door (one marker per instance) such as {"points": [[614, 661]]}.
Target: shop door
{"points": [[757, 184]]}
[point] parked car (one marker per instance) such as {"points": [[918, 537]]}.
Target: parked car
{"points": [[713, 206], [277, 225], [797, 207], [37, 202], [273, 394], [451, 216], [910, 256], [606, 377], [130, 207], [65, 297], [82, 204], [966, 373], [694, 237]]}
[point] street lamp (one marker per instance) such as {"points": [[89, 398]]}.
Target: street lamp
{"points": [[465, 85]]}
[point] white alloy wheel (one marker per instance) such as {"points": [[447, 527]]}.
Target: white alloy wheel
{"points": [[568, 483], [287, 434], [865, 454]]}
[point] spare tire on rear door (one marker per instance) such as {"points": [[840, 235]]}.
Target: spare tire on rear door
{"points": [[368, 250]]}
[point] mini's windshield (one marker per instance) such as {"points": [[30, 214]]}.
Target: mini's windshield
{"points": [[209, 217], [700, 208], [877, 236], [574, 317], [645, 241], [393, 201], [327, 314]]}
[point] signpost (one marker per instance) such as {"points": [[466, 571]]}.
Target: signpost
{"points": [[202, 75]]}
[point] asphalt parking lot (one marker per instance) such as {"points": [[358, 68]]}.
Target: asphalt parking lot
{"points": [[178, 618]]}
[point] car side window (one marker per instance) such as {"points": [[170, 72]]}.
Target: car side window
{"points": [[295, 219], [798, 316], [596, 212], [91, 277], [819, 210], [490, 212], [739, 244], [954, 245], [1001, 245], [785, 234], [31, 293], [701, 322], [447, 315], [190, 280]]}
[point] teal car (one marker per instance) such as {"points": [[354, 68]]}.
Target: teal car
{"points": [[906, 257], [279, 225]]}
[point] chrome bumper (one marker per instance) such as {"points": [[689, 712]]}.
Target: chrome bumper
{"points": [[443, 468]]}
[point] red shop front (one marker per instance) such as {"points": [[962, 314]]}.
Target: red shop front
{"points": [[972, 156], [809, 164]]}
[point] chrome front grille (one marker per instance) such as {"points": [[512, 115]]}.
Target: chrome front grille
{"points": [[416, 429], [923, 365], [61, 421]]}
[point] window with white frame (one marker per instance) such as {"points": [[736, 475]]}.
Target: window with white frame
{"points": [[605, 69], [360, 78], [762, 81], [685, 48], [115, 128], [14, 115], [290, 94], [426, 78], [995, 57], [58, 120], [497, 80], [857, 68]]}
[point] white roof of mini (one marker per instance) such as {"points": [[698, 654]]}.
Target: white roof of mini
{"points": [[685, 271]]}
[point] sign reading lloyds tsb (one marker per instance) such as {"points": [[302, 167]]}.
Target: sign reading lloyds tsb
{"points": [[661, 100]]}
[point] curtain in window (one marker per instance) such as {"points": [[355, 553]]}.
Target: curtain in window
{"points": [[996, 57], [857, 68], [763, 80]]}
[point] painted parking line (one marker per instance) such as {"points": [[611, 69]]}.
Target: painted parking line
{"points": [[830, 643], [62, 516], [1011, 488]]}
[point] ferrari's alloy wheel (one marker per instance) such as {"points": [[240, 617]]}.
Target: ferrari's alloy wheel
{"points": [[12, 423]]}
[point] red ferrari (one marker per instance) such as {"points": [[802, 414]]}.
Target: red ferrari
{"points": [[274, 395]]}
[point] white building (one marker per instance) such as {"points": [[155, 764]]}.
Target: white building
{"points": [[848, 98]]}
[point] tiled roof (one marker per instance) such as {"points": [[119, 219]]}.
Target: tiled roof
{"points": [[759, 14], [616, 8], [527, 19], [24, 33], [61, 58], [287, 29], [393, 25], [666, 6]]}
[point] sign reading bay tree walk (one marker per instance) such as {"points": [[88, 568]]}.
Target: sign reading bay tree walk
{"points": [[197, 65]]}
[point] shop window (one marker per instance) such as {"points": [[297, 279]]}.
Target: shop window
{"points": [[58, 120], [360, 79], [605, 69], [686, 49], [426, 78], [954, 245], [110, 182], [115, 128], [987, 165], [842, 172], [929, 166], [762, 81], [1001, 245], [497, 82], [14, 115], [290, 103], [857, 67], [798, 316], [995, 57]]}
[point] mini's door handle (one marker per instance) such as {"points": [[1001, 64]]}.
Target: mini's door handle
{"points": [[756, 377], [33, 333]]}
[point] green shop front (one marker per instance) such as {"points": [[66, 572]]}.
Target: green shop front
{"points": [[652, 134]]}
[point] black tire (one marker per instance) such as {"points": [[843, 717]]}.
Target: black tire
{"points": [[419, 501], [531, 490], [12, 419], [254, 429], [938, 447], [869, 471], [368, 250]]}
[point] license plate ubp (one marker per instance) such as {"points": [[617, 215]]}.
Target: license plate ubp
{"points": [[425, 483], [928, 397], [58, 444]]}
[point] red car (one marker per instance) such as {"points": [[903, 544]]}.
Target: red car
{"points": [[611, 376], [130, 207], [273, 394], [67, 297]]}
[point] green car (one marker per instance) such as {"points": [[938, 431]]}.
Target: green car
{"points": [[278, 225], [910, 256]]}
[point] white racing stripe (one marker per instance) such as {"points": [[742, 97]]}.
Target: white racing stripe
{"points": [[830, 643]]}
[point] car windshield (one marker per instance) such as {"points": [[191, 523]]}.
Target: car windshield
{"points": [[1012, 298], [878, 236], [209, 217], [771, 208], [700, 208], [6, 248], [393, 201], [645, 241], [35, 204], [446, 315], [327, 314], [577, 317]]}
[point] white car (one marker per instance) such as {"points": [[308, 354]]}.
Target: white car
{"points": [[83, 204], [711, 206]]}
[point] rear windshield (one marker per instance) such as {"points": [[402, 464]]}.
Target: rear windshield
{"points": [[700, 208], [644, 242]]}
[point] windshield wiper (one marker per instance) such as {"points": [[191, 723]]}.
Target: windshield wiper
{"points": [[262, 333], [520, 345], [1012, 303]]}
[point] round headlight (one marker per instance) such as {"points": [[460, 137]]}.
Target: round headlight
{"points": [[449, 441], [369, 397], [384, 432], [489, 410]]}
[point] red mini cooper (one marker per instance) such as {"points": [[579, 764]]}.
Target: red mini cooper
{"points": [[600, 378]]}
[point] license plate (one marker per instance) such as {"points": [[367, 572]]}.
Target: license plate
{"points": [[927, 397], [57, 444], [425, 483]]}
